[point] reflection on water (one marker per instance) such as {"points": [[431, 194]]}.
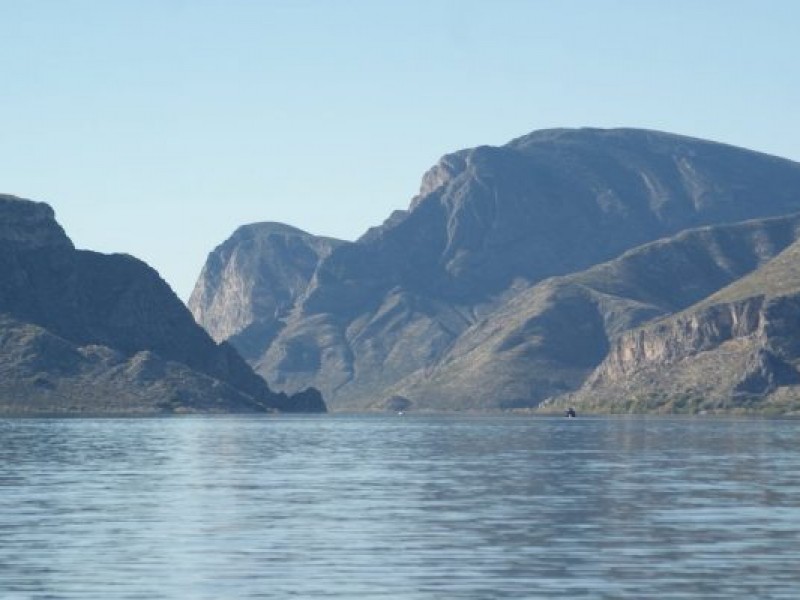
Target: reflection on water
{"points": [[401, 508]]}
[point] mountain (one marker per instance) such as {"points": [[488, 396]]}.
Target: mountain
{"points": [[87, 332], [253, 280], [402, 306], [737, 350], [547, 339]]}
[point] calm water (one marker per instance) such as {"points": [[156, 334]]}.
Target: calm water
{"points": [[399, 507]]}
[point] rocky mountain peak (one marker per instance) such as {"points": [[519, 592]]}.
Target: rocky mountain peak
{"points": [[265, 229], [255, 277], [30, 225], [448, 167], [488, 222], [84, 331]]}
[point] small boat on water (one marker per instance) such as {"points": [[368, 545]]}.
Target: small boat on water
{"points": [[570, 413]]}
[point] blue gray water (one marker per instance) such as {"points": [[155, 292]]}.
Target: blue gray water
{"points": [[399, 507]]}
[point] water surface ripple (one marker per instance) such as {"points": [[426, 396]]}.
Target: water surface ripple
{"points": [[406, 508]]}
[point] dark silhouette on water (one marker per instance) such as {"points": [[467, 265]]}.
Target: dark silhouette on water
{"points": [[570, 413]]}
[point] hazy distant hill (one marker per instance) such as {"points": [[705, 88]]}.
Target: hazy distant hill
{"points": [[253, 280], [88, 332], [434, 304]]}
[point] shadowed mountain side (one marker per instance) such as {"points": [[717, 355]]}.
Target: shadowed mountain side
{"points": [[547, 339], [364, 355], [117, 303], [41, 373], [546, 204], [738, 350], [488, 222]]}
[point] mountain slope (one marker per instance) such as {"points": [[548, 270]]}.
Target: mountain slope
{"points": [[548, 338], [488, 223], [86, 330], [738, 349], [254, 279]]}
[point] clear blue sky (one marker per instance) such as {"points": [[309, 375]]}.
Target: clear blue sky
{"points": [[156, 127]]}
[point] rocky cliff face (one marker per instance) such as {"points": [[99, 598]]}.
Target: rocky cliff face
{"points": [[383, 315], [739, 348], [548, 338], [95, 327], [30, 226], [253, 280], [674, 340]]}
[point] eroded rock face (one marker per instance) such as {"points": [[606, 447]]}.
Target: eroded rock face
{"points": [[253, 280], [71, 318], [678, 338], [732, 351], [30, 225], [547, 339], [382, 315]]}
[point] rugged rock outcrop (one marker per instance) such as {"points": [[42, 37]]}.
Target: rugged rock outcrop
{"points": [[251, 282], [548, 338], [82, 331], [382, 315], [737, 349]]}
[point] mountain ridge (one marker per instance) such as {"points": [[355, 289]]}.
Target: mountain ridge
{"points": [[77, 315], [566, 324], [738, 349], [490, 221]]}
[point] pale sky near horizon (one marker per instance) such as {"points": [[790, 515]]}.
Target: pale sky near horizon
{"points": [[156, 127]]}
